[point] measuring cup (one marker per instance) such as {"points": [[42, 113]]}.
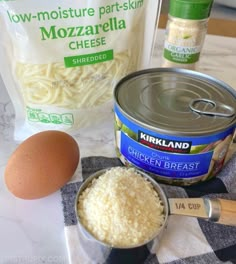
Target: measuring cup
{"points": [[216, 210]]}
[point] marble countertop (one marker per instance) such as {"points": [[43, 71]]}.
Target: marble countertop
{"points": [[33, 231]]}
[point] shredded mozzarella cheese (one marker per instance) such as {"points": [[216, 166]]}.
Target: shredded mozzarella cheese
{"points": [[73, 88]]}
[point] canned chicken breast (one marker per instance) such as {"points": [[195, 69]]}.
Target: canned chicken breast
{"points": [[173, 123]]}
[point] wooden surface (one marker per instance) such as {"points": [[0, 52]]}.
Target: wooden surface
{"points": [[219, 27]]}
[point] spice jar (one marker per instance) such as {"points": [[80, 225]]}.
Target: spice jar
{"points": [[185, 32]]}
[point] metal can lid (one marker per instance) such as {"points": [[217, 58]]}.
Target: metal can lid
{"points": [[177, 101]]}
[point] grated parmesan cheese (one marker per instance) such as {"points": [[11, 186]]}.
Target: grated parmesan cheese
{"points": [[121, 208]]}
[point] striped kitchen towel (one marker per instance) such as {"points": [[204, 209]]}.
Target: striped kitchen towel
{"points": [[185, 239]]}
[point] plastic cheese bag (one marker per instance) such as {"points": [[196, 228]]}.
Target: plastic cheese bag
{"points": [[61, 59]]}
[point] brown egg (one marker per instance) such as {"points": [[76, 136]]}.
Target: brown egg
{"points": [[42, 164]]}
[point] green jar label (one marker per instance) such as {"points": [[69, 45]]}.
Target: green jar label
{"points": [[181, 54]]}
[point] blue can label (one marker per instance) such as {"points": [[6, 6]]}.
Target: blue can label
{"points": [[164, 163], [168, 156]]}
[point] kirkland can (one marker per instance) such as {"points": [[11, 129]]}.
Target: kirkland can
{"points": [[175, 124]]}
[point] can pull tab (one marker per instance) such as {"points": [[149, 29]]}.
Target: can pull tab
{"points": [[208, 107]]}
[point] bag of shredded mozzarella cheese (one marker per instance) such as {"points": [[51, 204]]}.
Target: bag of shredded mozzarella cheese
{"points": [[61, 59]]}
